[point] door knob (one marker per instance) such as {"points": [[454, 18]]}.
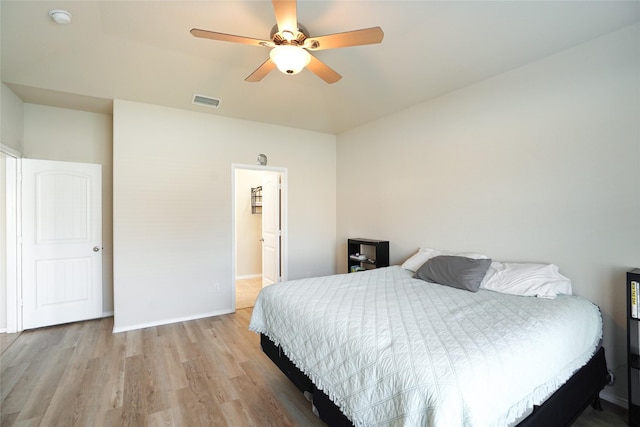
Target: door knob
{"points": [[96, 248], [261, 240]]}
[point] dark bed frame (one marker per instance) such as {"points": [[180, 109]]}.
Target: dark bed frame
{"points": [[561, 409]]}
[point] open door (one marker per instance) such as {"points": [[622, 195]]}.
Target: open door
{"points": [[61, 242], [271, 228]]}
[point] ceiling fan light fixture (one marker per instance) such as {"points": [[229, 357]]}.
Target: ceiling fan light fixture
{"points": [[288, 35], [289, 42], [290, 59]]}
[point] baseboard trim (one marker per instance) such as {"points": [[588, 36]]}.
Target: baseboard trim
{"points": [[615, 400], [118, 329]]}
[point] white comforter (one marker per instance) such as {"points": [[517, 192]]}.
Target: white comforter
{"points": [[391, 350]]}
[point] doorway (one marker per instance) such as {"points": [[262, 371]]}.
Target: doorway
{"points": [[259, 218], [10, 310]]}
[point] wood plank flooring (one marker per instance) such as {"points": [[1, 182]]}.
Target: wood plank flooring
{"points": [[207, 372], [247, 291], [6, 340]]}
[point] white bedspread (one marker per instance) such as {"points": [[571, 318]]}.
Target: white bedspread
{"points": [[391, 350]]}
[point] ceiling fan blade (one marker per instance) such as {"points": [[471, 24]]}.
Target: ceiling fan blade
{"points": [[228, 37], [350, 38], [286, 14], [261, 71], [323, 71]]}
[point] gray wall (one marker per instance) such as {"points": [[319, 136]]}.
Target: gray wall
{"points": [[538, 164], [11, 119], [173, 203], [61, 134]]}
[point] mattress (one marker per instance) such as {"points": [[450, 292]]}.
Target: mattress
{"points": [[391, 350]]}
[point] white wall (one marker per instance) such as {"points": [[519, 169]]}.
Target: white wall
{"points": [[248, 225], [11, 119], [538, 164], [52, 133], [3, 246], [172, 208], [11, 137]]}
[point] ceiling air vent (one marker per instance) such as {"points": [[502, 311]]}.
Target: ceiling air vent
{"points": [[206, 101]]}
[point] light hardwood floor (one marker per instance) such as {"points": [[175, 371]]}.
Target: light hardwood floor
{"points": [[6, 340], [246, 291], [208, 372]]}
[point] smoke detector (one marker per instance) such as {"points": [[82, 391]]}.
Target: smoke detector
{"points": [[60, 16]]}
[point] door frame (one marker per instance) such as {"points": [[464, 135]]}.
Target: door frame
{"points": [[13, 308], [284, 265]]}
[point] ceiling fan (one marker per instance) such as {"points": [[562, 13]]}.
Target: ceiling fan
{"points": [[290, 43]]}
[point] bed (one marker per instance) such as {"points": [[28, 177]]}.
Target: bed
{"points": [[385, 348]]}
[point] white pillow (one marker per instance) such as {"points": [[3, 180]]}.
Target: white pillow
{"points": [[526, 279], [425, 254]]}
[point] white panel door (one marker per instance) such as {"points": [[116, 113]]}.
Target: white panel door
{"points": [[61, 242], [270, 228]]}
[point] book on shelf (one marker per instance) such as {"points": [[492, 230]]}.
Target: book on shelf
{"points": [[635, 292]]}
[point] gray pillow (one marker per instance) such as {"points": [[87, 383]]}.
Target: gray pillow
{"points": [[455, 271]]}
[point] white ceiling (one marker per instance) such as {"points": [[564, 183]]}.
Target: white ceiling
{"points": [[143, 51]]}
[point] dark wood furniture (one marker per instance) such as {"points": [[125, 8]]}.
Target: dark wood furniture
{"points": [[375, 253], [633, 345]]}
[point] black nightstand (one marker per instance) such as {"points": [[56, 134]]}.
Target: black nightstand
{"points": [[365, 254], [633, 345]]}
